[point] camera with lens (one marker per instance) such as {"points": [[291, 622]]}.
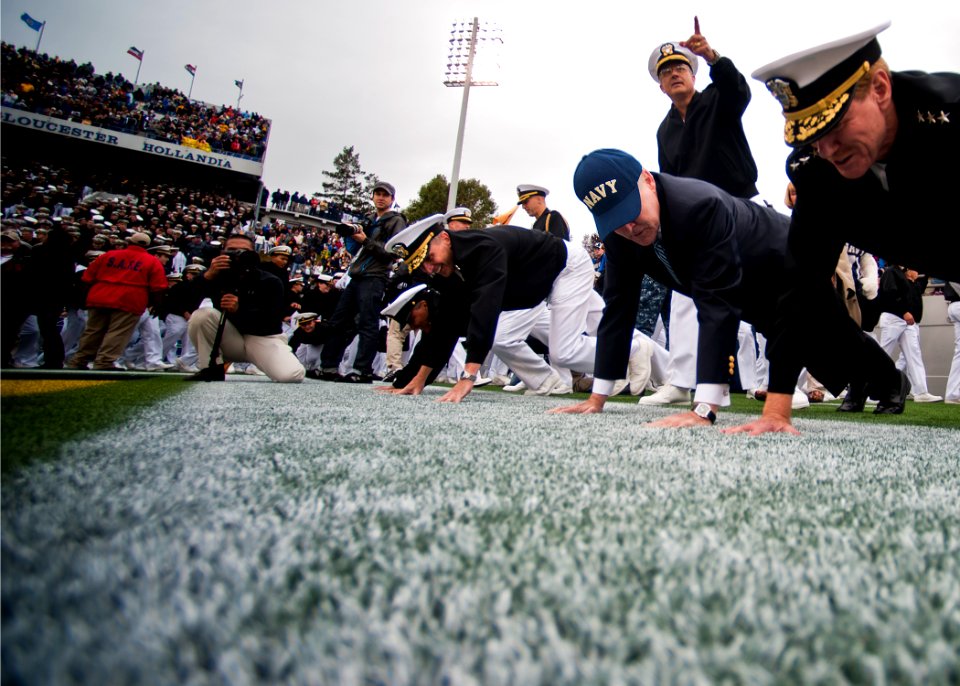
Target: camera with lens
{"points": [[346, 229], [242, 264]]}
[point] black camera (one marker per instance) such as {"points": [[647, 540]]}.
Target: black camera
{"points": [[346, 229], [242, 264]]}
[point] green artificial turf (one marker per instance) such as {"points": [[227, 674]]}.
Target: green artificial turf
{"points": [[915, 414], [35, 426], [252, 532]]}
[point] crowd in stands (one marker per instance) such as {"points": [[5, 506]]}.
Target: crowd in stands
{"points": [[74, 92], [36, 196], [301, 203], [79, 217]]}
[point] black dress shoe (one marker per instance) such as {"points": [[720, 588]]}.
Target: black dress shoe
{"points": [[390, 376], [893, 404], [313, 374], [856, 398], [323, 375], [214, 373], [354, 377]]}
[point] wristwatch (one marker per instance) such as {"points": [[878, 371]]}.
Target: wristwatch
{"points": [[703, 410], [472, 378]]}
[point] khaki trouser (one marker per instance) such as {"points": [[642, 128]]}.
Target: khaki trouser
{"points": [[107, 333], [395, 339], [270, 354]]}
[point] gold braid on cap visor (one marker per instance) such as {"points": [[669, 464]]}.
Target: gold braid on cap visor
{"points": [[526, 196], [803, 124], [414, 260]]}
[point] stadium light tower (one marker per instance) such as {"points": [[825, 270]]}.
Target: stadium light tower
{"points": [[473, 49]]}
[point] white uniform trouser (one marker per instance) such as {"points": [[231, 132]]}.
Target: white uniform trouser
{"points": [[894, 330], [270, 354], [763, 366], [684, 333], [309, 355], [149, 346], [27, 352], [569, 304], [953, 380], [496, 366], [72, 329], [747, 357], [177, 331], [536, 323]]}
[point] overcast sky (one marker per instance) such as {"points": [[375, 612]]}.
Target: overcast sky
{"points": [[573, 76]]}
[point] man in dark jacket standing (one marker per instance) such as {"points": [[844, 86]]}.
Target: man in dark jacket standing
{"points": [[702, 135], [362, 299]]}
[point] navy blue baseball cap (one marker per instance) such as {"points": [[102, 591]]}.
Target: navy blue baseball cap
{"points": [[606, 182]]}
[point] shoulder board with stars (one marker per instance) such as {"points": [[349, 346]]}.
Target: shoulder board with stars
{"points": [[798, 159], [938, 118]]}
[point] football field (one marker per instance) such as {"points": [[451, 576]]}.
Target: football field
{"points": [[249, 532]]}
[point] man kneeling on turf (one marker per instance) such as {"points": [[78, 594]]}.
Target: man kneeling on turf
{"points": [[250, 307], [508, 269]]}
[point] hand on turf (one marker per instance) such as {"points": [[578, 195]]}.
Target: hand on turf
{"points": [[592, 405], [764, 425], [411, 388], [775, 418], [460, 391], [679, 420]]}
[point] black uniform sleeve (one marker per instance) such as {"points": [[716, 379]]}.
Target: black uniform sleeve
{"points": [[733, 87], [557, 226], [716, 277], [623, 279], [809, 300], [486, 299]]}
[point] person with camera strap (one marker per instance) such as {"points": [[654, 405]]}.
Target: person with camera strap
{"points": [[245, 324], [362, 299]]}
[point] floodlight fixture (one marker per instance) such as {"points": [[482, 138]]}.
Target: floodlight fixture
{"points": [[473, 49]]}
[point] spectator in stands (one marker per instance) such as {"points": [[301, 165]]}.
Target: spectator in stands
{"points": [[64, 90]]}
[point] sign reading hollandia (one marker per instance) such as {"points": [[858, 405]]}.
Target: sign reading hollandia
{"points": [[39, 122]]}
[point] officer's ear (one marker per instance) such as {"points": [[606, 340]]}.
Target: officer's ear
{"points": [[882, 89]]}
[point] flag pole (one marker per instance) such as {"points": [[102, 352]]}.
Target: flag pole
{"points": [[39, 38], [240, 97], [192, 77], [139, 64]]}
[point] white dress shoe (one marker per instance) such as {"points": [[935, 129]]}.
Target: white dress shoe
{"points": [[667, 395]]}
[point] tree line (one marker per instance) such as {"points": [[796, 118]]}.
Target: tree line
{"points": [[351, 188]]}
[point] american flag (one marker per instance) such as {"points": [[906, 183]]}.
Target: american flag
{"points": [[138, 54], [192, 70]]}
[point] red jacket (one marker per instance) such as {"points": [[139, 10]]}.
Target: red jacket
{"points": [[124, 279]]}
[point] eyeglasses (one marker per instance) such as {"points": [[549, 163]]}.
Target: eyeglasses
{"points": [[671, 69]]}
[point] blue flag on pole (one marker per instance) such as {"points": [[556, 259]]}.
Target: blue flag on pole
{"points": [[31, 22]]}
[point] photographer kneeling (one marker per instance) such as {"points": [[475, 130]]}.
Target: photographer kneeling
{"points": [[249, 306]]}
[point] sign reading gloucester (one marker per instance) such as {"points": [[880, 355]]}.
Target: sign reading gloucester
{"points": [[31, 120]]}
